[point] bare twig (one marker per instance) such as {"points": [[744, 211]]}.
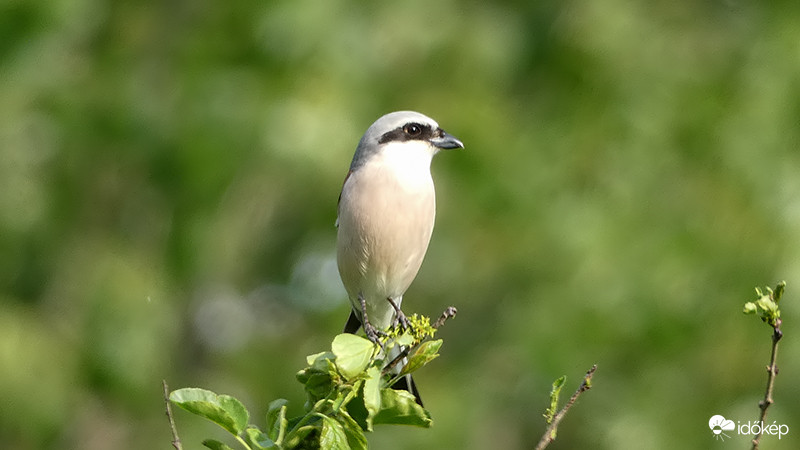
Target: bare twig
{"points": [[176, 441], [550, 434], [448, 313], [772, 371], [388, 368]]}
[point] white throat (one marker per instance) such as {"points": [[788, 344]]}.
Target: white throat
{"points": [[409, 162]]}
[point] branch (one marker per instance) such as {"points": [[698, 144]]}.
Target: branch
{"points": [[550, 434], [448, 313], [772, 371], [176, 441]]}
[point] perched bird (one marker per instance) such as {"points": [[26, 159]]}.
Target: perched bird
{"points": [[385, 218]]}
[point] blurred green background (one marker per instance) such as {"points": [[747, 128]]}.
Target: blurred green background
{"points": [[168, 188]]}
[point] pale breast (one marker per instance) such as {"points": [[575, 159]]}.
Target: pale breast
{"points": [[385, 219]]}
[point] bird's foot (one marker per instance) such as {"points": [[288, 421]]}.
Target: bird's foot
{"points": [[373, 334], [400, 319]]}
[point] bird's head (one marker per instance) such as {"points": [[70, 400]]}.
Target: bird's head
{"points": [[406, 135]]}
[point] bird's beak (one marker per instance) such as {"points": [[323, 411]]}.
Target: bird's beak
{"points": [[446, 141]]}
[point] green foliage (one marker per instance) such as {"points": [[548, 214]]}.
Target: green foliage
{"points": [[224, 410], [765, 306], [348, 391], [353, 354], [555, 391]]}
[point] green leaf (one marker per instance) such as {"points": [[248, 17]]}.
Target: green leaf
{"points": [[276, 420], [257, 439], [355, 435], [766, 305], [555, 391], [216, 445], [319, 363], [224, 410], [358, 412], [405, 339], [372, 393], [332, 435], [367, 402], [353, 354], [319, 377], [299, 435], [400, 408], [423, 355], [779, 291], [318, 386], [317, 360]]}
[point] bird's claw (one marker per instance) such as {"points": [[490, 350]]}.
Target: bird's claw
{"points": [[373, 334], [400, 319]]}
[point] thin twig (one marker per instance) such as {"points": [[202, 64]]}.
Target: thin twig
{"points": [[772, 371], [176, 441], [449, 312], [550, 434]]}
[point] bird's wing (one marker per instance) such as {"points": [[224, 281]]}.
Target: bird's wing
{"points": [[340, 197]]}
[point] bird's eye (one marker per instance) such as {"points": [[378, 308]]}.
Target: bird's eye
{"points": [[413, 129]]}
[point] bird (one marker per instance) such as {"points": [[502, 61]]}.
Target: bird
{"points": [[385, 219]]}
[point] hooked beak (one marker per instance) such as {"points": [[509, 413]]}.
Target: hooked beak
{"points": [[446, 141]]}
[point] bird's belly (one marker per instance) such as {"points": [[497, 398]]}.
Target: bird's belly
{"points": [[382, 240]]}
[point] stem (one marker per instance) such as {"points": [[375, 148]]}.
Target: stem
{"points": [[352, 392], [241, 441], [309, 415], [772, 372], [550, 433], [403, 353], [176, 441], [302, 422]]}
